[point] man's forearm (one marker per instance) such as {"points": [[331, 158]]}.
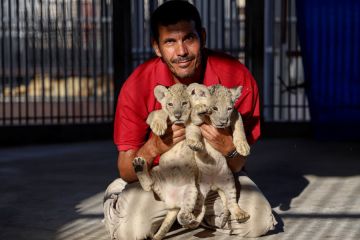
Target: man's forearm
{"points": [[237, 163]]}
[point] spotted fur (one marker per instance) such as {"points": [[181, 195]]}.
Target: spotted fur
{"points": [[174, 180], [217, 104]]}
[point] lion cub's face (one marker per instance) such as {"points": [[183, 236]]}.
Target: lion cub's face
{"points": [[222, 104], [175, 101]]}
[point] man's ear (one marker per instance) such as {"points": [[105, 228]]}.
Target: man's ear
{"points": [[155, 46], [203, 37]]}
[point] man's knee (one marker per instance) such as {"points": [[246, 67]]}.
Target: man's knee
{"points": [[255, 204], [115, 187], [130, 231], [259, 224], [261, 218], [130, 212], [129, 227]]}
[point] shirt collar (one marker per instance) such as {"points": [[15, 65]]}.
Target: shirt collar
{"points": [[210, 76], [163, 74]]}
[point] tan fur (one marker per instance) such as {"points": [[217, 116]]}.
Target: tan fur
{"points": [[174, 180], [223, 100], [71, 86], [217, 103], [181, 170]]}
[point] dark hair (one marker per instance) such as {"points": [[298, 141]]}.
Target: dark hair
{"points": [[172, 12]]}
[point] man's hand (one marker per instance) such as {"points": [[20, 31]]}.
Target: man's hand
{"points": [[154, 146], [222, 141], [174, 134], [219, 138]]}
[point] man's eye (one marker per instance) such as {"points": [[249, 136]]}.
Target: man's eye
{"points": [[190, 37], [169, 41], [230, 108]]}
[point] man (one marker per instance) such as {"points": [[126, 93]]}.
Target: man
{"points": [[179, 43]]}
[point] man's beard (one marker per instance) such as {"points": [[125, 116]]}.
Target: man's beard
{"points": [[184, 76], [182, 59]]}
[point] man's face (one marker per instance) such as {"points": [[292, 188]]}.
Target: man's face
{"points": [[179, 46]]}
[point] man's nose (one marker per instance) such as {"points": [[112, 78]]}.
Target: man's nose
{"points": [[182, 49]]}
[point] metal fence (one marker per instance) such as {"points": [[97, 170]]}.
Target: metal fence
{"points": [[56, 57], [284, 98], [56, 62]]}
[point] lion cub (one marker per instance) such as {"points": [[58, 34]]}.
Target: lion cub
{"points": [[174, 180], [214, 173]]}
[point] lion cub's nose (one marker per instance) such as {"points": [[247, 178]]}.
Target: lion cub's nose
{"points": [[177, 115], [223, 121]]}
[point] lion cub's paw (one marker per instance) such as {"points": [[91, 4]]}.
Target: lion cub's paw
{"points": [[158, 236], [198, 111], [139, 164], [195, 145], [140, 167], [158, 127], [242, 147], [242, 216], [239, 214], [187, 219]]}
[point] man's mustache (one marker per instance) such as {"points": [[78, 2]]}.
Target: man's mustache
{"points": [[182, 59]]}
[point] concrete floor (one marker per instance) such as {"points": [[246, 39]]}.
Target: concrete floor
{"points": [[55, 191]]}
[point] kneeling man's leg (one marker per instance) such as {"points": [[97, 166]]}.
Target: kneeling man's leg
{"points": [[252, 201], [130, 212]]}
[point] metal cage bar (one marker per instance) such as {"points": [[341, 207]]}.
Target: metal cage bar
{"points": [[284, 98], [56, 62]]}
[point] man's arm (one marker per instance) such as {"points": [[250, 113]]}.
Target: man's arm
{"points": [[153, 147], [222, 141]]}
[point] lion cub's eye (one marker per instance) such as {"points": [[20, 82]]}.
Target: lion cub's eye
{"points": [[170, 104], [184, 103], [215, 108]]}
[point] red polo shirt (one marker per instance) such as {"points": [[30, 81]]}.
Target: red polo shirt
{"points": [[136, 99]]}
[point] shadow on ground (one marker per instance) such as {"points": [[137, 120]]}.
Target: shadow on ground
{"points": [[44, 187], [279, 167], [55, 191]]}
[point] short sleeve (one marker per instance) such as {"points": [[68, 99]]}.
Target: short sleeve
{"points": [[130, 128], [248, 105]]}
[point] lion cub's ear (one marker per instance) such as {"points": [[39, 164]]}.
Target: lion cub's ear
{"points": [[160, 92], [197, 90], [212, 88], [235, 93], [191, 89]]}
